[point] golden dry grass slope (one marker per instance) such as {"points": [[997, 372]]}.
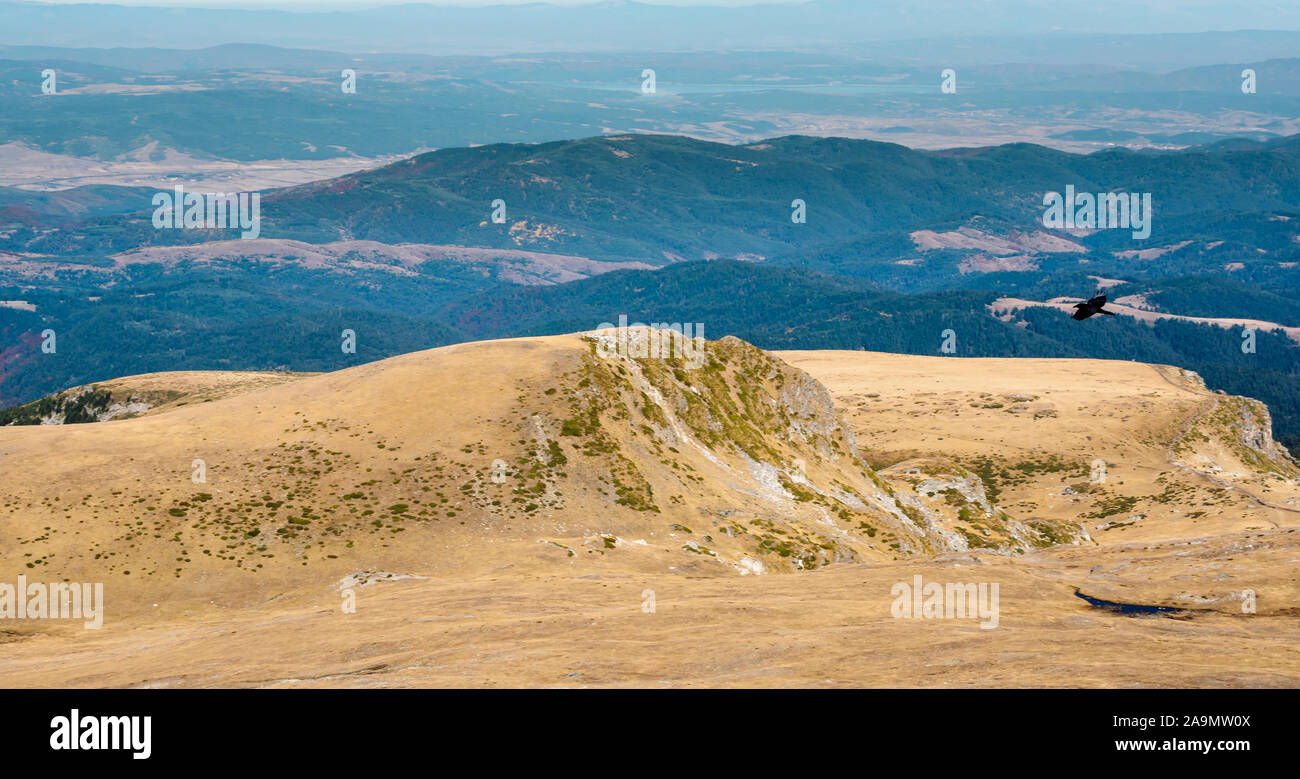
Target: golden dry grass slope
{"points": [[538, 512]]}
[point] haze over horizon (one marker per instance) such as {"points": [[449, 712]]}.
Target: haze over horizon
{"points": [[494, 28]]}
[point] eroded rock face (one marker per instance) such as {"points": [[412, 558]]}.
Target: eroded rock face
{"points": [[1254, 428], [951, 504], [772, 433], [1233, 441], [82, 405], [798, 495]]}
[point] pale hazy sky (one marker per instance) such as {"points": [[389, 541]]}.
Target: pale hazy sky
{"points": [[300, 5]]}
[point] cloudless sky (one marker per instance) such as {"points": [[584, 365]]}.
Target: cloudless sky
{"points": [[302, 5]]}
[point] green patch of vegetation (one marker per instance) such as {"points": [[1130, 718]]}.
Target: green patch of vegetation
{"points": [[1111, 505]]}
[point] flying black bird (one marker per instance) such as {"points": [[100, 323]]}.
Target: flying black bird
{"points": [[1084, 310]]}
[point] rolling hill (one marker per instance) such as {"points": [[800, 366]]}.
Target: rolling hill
{"points": [[640, 447], [522, 489]]}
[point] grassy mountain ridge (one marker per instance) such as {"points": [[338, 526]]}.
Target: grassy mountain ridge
{"points": [[223, 319], [660, 198]]}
